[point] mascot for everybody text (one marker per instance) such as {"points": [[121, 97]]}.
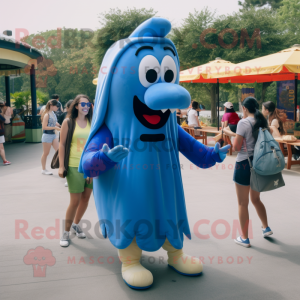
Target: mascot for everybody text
{"points": [[133, 152]]}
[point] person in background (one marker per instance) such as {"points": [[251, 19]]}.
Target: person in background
{"points": [[193, 120], [178, 115], [2, 138], [64, 114], [8, 115], [78, 121], [271, 113], [59, 112], [230, 118], [200, 107], [49, 125], [244, 143]]}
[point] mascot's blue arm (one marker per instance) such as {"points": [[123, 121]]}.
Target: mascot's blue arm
{"points": [[199, 154], [94, 161]]}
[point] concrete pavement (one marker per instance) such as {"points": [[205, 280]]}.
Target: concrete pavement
{"points": [[90, 268]]}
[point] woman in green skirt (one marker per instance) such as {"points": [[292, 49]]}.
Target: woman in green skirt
{"points": [[78, 124]]}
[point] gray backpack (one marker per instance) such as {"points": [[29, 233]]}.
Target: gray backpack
{"points": [[268, 162], [268, 158]]}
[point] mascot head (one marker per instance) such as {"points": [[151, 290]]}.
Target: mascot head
{"points": [[138, 87]]}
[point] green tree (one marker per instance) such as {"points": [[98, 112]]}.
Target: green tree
{"points": [[21, 99], [260, 3], [77, 72], [272, 37], [72, 57], [271, 93], [68, 67], [15, 84], [247, 34], [51, 44], [289, 16], [42, 98], [117, 25]]}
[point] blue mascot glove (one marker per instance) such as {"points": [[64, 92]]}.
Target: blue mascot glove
{"points": [[222, 151], [116, 154]]}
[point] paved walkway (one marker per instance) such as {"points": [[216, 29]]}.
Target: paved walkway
{"points": [[89, 269]]}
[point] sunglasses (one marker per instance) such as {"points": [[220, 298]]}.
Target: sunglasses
{"points": [[83, 104]]}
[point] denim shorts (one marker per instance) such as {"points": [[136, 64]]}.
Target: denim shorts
{"points": [[48, 138], [242, 173]]}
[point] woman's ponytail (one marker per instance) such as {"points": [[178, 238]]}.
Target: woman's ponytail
{"points": [[260, 121]]}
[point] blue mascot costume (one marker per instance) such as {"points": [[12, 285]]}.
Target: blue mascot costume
{"points": [[133, 152]]}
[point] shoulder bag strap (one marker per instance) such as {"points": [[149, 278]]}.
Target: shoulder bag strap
{"points": [[71, 128], [246, 142]]}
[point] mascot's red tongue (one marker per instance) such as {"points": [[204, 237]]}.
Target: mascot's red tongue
{"points": [[152, 119]]}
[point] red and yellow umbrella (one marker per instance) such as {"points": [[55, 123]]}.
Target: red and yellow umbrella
{"points": [[200, 74], [283, 65]]}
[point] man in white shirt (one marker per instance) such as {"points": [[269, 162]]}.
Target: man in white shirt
{"points": [[193, 120]]}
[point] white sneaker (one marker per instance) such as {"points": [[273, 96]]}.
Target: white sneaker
{"points": [[77, 229], [46, 172], [66, 184], [65, 239], [266, 231], [242, 242]]}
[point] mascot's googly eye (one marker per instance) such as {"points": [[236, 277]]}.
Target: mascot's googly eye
{"points": [[149, 71], [168, 70]]}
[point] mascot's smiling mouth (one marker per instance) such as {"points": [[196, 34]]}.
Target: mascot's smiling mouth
{"points": [[152, 119]]}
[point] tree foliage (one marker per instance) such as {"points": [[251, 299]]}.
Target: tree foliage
{"points": [[68, 67], [271, 93], [41, 97], [274, 4], [73, 57], [116, 25], [238, 37], [289, 16], [20, 99]]}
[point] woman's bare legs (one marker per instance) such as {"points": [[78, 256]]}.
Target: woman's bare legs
{"points": [[2, 152], [77, 207], [72, 208], [55, 144], [260, 208], [83, 204], [46, 150], [242, 193]]}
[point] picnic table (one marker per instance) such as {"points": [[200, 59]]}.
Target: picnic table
{"points": [[288, 152], [215, 131]]}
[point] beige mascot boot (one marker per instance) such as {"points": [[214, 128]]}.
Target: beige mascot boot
{"points": [[182, 263], [133, 273]]}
